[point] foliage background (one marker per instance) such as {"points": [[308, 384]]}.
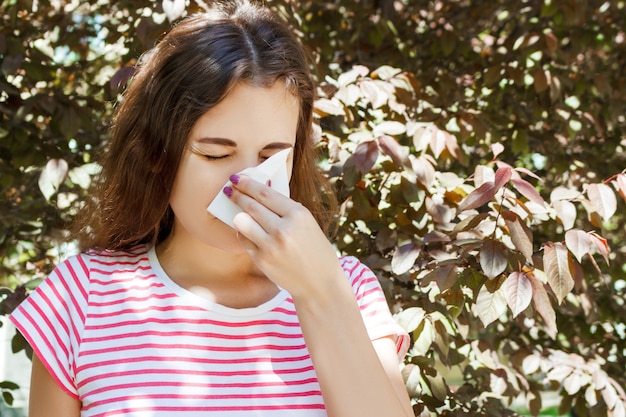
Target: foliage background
{"points": [[477, 149]]}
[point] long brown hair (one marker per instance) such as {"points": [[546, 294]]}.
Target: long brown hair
{"points": [[188, 72]]}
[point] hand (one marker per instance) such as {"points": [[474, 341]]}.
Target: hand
{"points": [[284, 240]]}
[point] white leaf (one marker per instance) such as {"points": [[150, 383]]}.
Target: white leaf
{"points": [[489, 306], [52, 176], [173, 9]]}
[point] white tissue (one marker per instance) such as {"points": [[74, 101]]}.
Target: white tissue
{"points": [[274, 169]]}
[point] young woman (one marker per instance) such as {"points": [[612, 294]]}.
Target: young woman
{"points": [[169, 311]]}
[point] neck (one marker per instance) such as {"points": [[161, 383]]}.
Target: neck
{"points": [[187, 258], [226, 277]]}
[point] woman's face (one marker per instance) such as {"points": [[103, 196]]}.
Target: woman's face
{"points": [[247, 127]]}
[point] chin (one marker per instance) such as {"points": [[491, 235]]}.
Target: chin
{"points": [[223, 237]]}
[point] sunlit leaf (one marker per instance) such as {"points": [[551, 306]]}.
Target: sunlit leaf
{"points": [[503, 176], [563, 193], [404, 258], [424, 171], [393, 149], [390, 127], [556, 260], [424, 337], [173, 9], [531, 363], [610, 396], [422, 137], [578, 242], [480, 196], [52, 176], [497, 148], [527, 190], [566, 212], [376, 95], [573, 383], [412, 376], [410, 318], [601, 245], [493, 258], [520, 233], [603, 200], [518, 292], [489, 305], [440, 212], [438, 142], [325, 107]]}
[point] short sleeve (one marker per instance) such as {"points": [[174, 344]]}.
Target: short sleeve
{"points": [[374, 308], [52, 319]]}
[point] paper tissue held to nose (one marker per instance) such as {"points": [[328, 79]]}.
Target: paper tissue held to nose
{"points": [[273, 169]]}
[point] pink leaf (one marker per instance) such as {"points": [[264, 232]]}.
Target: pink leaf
{"points": [[518, 292], [480, 196], [521, 235], [393, 149], [603, 200], [543, 306], [601, 245], [503, 176], [424, 171], [556, 261], [365, 156], [527, 190], [578, 242], [621, 185], [453, 147], [529, 173]]}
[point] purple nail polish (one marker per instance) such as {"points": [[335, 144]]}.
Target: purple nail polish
{"points": [[269, 183], [228, 191], [234, 179]]}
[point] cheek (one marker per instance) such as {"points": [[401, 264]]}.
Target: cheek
{"points": [[195, 187]]}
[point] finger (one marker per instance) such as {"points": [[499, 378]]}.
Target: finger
{"points": [[263, 193], [251, 234], [248, 245], [261, 214]]}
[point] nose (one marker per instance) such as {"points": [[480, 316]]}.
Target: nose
{"points": [[249, 161]]}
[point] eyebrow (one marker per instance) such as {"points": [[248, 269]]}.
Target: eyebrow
{"points": [[232, 143]]}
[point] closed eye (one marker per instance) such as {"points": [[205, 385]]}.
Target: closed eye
{"points": [[215, 157]]}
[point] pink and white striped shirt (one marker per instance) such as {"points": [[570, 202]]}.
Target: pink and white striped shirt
{"points": [[119, 335]]}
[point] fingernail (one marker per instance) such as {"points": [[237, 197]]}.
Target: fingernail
{"points": [[234, 179], [228, 191], [269, 183]]}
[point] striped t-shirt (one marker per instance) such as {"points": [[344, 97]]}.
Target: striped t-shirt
{"points": [[120, 336]]}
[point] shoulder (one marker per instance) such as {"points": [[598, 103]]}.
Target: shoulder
{"points": [[99, 258], [79, 268], [357, 272]]}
